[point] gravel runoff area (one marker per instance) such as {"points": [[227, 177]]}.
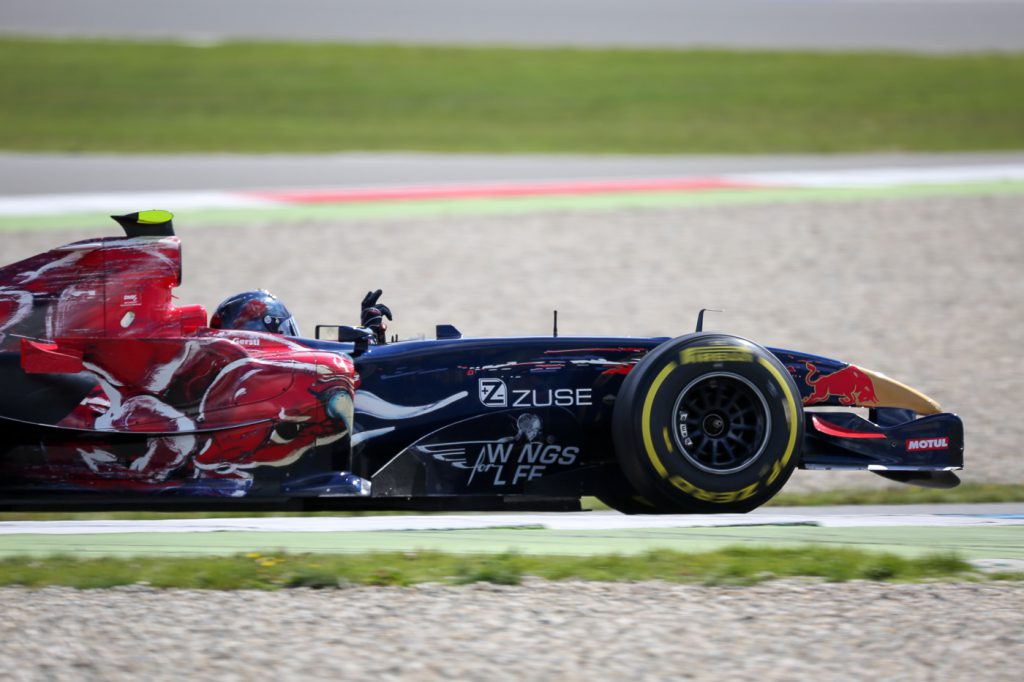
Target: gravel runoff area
{"points": [[929, 291], [779, 630]]}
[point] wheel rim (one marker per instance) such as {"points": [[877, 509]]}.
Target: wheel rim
{"points": [[721, 423]]}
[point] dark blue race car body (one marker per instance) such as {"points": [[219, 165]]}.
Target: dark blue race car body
{"points": [[454, 407], [150, 408]]}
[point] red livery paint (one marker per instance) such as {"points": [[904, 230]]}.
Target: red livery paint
{"points": [[206, 404], [838, 431], [113, 287]]}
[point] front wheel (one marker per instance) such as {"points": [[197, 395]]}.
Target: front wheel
{"points": [[708, 423]]}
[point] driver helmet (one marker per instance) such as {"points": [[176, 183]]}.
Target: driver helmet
{"points": [[259, 311]]}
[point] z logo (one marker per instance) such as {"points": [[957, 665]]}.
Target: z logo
{"points": [[493, 393]]}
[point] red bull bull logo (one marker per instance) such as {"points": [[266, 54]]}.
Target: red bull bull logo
{"points": [[850, 385]]}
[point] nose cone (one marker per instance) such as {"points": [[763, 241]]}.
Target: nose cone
{"points": [[892, 393]]}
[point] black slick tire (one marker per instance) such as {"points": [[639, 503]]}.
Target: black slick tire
{"points": [[708, 423]]}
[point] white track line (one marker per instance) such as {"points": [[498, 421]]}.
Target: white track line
{"points": [[554, 521], [888, 177], [119, 202]]}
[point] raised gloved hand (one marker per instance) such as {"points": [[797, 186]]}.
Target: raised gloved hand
{"points": [[373, 315]]}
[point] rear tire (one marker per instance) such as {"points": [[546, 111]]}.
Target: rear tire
{"points": [[708, 423]]}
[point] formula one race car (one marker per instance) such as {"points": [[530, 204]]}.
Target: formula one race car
{"points": [[112, 397]]}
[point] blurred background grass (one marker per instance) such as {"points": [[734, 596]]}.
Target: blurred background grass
{"points": [[259, 97]]}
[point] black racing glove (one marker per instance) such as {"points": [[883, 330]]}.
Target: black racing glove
{"points": [[373, 314]]}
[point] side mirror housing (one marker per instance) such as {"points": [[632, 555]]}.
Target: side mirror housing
{"points": [[360, 336]]}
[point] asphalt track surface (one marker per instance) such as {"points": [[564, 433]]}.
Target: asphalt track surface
{"points": [[27, 174], [992, 535], [905, 25]]}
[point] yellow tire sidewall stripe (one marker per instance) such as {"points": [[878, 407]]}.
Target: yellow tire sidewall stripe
{"points": [[791, 404], [645, 425]]}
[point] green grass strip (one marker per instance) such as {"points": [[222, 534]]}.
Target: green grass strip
{"points": [[249, 97], [986, 541], [732, 565]]}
